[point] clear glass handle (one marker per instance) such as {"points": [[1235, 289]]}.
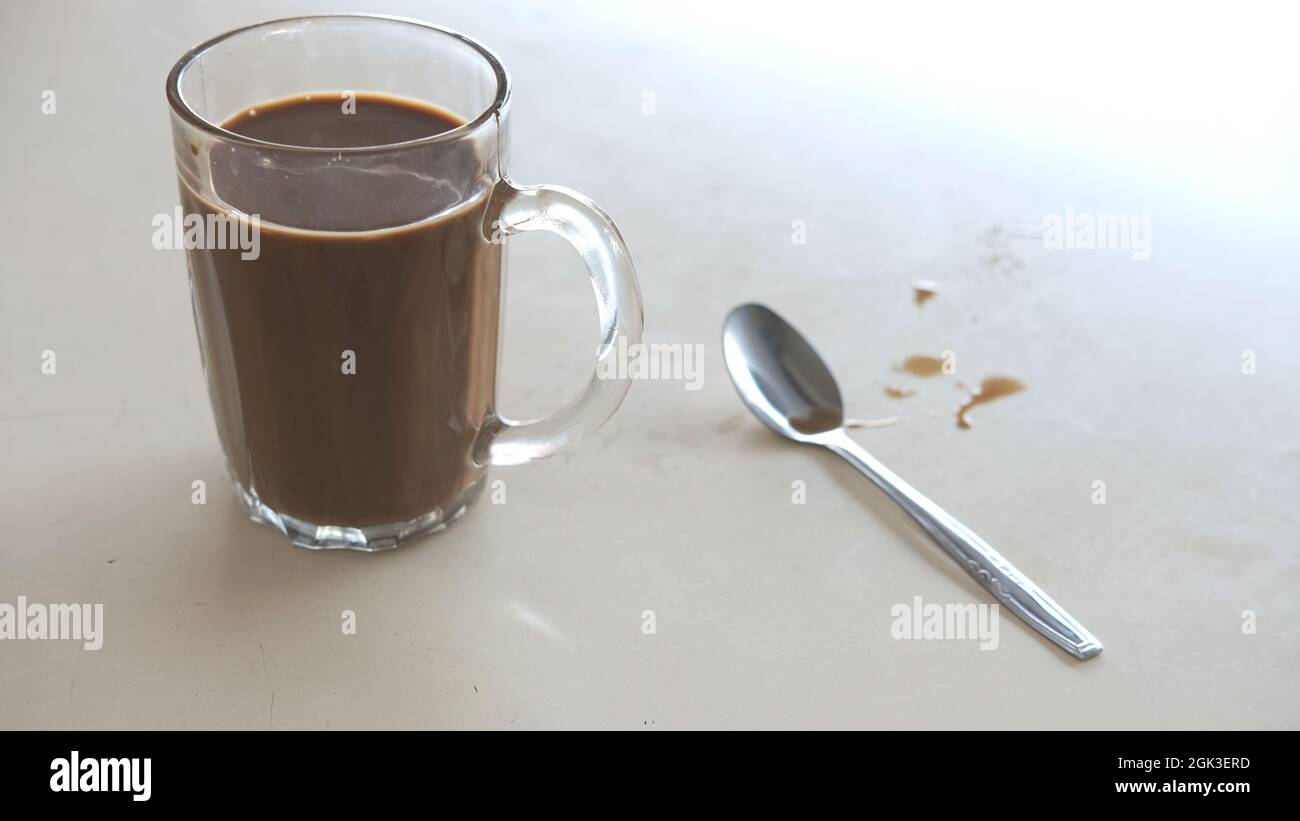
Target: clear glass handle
{"points": [[594, 236]]}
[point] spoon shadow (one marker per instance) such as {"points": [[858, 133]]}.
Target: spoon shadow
{"points": [[899, 523]]}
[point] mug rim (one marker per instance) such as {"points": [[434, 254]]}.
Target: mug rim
{"points": [[182, 109]]}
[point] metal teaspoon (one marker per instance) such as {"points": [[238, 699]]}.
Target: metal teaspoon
{"points": [[789, 388]]}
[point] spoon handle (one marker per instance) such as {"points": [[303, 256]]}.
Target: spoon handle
{"points": [[997, 575]]}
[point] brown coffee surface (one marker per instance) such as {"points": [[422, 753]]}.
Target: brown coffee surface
{"points": [[416, 307]]}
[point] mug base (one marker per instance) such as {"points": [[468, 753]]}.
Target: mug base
{"points": [[371, 539]]}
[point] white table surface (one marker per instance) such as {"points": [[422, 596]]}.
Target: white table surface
{"points": [[903, 140]]}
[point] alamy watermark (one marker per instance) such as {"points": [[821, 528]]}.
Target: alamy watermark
{"points": [[653, 360], [210, 232], [76, 622], [920, 621], [77, 774], [1081, 231]]}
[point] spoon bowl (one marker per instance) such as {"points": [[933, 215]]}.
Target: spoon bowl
{"points": [[779, 375]]}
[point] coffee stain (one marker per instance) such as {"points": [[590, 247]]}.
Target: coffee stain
{"points": [[921, 365], [895, 392], [993, 387], [999, 257], [924, 290]]}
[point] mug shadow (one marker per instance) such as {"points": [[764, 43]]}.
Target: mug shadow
{"points": [[252, 564]]}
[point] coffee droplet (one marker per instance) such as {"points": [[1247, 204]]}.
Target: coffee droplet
{"points": [[817, 421], [921, 366], [923, 290], [994, 387], [895, 392]]}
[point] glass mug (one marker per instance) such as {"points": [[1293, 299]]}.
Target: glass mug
{"points": [[351, 347]]}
